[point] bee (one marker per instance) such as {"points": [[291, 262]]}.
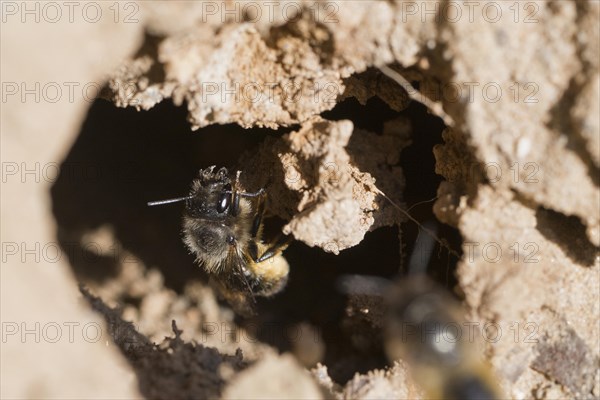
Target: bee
{"points": [[222, 227], [423, 324]]}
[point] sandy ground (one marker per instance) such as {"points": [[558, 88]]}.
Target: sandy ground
{"points": [[108, 106]]}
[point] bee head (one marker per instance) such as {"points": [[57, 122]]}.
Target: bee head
{"points": [[211, 194]]}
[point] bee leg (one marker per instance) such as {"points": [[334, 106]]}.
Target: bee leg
{"points": [[260, 212], [258, 193], [275, 248], [256, 228], [235, 195], [235, 202]]}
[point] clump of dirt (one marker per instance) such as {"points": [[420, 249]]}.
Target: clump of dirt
{"points": [[172, 369], [317, 180]]}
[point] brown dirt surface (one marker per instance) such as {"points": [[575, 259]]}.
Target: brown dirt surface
{"points": [[499, 160]]}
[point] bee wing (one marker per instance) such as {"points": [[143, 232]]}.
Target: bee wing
{"points": [[234, 286], [372, 286]]}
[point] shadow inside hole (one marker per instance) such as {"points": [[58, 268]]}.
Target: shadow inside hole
{"points": [[569, 234], [311, 296], [421, 182], [122, 159]]}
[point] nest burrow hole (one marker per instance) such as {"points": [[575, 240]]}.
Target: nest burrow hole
{"points": [[123, 158]]}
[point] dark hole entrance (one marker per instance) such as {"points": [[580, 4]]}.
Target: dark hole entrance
{"points": [[123, 158]]}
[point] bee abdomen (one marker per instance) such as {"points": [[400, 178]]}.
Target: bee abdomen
{"points": [[269, 276]]}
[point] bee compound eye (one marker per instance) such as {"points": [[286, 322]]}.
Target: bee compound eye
{"points": [[224, 202]]}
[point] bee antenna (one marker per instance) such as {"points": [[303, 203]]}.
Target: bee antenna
{"points": [[168, 201], [425, 229]]}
